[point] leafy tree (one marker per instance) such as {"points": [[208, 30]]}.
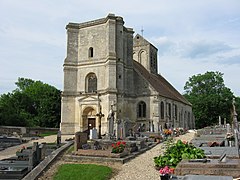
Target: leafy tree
{"points": [[209, 97], [237, 100], [32, 103]]}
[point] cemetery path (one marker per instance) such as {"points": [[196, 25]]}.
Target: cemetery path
{"points": [[11, 151], [142, 167]]}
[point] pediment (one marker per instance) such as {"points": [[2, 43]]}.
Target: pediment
{"points": [[88, 98]]}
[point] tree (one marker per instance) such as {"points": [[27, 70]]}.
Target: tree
{"points": [[209, 97], [32, 103], [237, 100]]}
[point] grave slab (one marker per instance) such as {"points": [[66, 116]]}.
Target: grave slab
{"points": [[229, 168]]}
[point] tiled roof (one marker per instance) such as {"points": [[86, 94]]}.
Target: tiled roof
{"points": [[160, 84]]}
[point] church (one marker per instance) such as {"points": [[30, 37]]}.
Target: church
{"points": [[110, 73]]}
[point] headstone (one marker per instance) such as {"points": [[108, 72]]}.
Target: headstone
{"points": [[80, 139], [59, 138], [228, 128], [236, 138], [43, 151], [219, 121], [93, 134], [32, 158], [121, 129]]}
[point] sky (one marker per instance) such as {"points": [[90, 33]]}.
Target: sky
{"points": [[192, 37]]}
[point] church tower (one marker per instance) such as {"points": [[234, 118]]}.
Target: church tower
{"points": [[145, 53], [98, 63]]}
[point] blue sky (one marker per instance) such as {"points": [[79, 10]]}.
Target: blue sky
{"points": [[192, 37]]}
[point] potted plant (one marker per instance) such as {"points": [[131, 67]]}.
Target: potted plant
{"points": [[166, 172]]}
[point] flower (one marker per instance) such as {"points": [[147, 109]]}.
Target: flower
{"points": [[118, 147], [167, 131], [166, 170]]}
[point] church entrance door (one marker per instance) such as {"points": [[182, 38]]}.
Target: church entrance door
{"points": [[91, 123]]}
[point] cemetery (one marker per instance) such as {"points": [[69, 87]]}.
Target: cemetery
{"points": [[213, 153], [29, 161]]}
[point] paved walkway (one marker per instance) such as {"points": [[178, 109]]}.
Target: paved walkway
{"points": [[11, 151]]}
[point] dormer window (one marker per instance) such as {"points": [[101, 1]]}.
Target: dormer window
{"points": [[90, 52]]}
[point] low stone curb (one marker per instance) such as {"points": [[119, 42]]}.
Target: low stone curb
{"points": [[36, 172]]}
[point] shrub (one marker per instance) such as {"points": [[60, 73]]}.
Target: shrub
{"points": [[176, 152]]}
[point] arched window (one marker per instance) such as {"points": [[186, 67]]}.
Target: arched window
{"points": [[91, 83], [162, 110], [90, 52], [141, 109], [169, 111], [176, 112]]}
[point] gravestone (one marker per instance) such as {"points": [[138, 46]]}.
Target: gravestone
{"points": [[80, 139], [59, 138], [219, 121], [228, 128], [93, 134]]}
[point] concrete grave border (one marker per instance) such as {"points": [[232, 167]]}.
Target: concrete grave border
{"points": [[36, 172]]}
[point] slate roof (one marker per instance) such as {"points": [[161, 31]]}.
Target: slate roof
{"points": [[160, 84]]}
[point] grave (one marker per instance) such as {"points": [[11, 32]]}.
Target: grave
{"points": [[212, 167], [25, 160], [6, 141]]}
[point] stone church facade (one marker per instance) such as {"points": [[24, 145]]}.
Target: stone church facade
{"points": [[109, 70]]}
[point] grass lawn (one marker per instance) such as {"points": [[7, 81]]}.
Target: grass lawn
{"points": [[83, 171], [47, 134]]}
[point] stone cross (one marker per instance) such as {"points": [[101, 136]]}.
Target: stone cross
{"points": [[100, 115]]}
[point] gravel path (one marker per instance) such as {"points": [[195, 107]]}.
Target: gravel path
{"points": [[142, 167]]}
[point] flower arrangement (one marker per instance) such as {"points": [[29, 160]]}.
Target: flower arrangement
{"points": [[167, 131], [166, 171], [118, 147]]}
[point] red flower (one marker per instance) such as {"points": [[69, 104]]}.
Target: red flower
{"points": [[118, 143]]}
